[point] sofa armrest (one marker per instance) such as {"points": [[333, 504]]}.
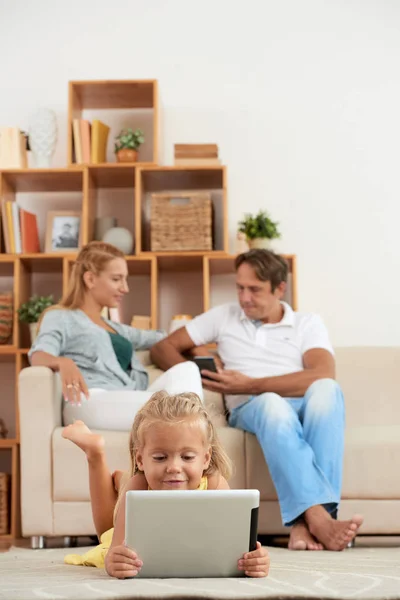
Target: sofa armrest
{"points": [[40, 413]]}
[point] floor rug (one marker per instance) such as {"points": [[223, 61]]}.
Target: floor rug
{"points": [[360, 573]]}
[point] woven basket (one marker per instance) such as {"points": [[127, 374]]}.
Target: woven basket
{"points": [[181, 221], [6, 316], [4, 481]]}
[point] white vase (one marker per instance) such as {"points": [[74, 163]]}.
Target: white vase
{"points": [[33, 329], [263, 243], [43, 137], [121, 238]]}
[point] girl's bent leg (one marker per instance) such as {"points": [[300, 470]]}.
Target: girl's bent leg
{"points": [[103, 495]]}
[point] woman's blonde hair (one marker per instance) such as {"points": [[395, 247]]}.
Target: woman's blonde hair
{"points": [[93, 257], [178, 408]]}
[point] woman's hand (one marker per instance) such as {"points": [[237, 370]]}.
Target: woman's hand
{"points": [[255, 563], [122, 562], [72, 381]]}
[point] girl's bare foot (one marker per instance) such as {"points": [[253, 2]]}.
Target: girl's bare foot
{"points": [[301, 538], [334, 535], [91, 443]]}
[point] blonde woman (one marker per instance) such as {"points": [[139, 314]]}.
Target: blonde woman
{"points": [[173, 446], [104, 383]]}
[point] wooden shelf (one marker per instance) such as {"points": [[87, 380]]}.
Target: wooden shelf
{"points": [[8, 443], [110, 175], [223, 265], [43, 263], [8, 349], [113, 94], [44, 180], [158, 179]]}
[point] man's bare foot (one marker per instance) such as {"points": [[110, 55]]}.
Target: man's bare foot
{"points": [[301, 538], [334, 535], [91, 443]]}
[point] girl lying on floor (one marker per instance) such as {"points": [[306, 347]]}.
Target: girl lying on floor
{"points": [[173, 445]]}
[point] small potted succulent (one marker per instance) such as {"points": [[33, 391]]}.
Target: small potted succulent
{"points": [[259, 230], [127, 144], [30, 312]]}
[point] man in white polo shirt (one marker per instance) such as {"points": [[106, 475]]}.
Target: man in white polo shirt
{"points": [[277, 375]]}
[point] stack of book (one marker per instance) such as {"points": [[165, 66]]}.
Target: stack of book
{"points": [[90, 141], [192, 155], [20, 229], [13, 153]]}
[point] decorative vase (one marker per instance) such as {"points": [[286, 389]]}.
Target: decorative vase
{"points": [[179, 321], [121, 238], [102, 225], [263, 243], [33, 330], [127, 155], [43, 136]]}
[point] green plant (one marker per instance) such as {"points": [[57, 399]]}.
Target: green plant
{"points": [[129, 139], [259, 226], [30, 311]]}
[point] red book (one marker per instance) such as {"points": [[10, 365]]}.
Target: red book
{"points": [[29, 232]]}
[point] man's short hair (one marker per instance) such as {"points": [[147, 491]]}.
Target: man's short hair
{"points": [[267, 265]]}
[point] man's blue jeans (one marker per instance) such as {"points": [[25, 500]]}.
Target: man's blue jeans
{"points": [[302, 440]]}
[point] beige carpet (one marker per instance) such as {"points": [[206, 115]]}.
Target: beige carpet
{"points": [[357, 573]]}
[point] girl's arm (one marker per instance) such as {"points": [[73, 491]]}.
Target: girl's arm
{"points": [[121, 561], [217, 482]]}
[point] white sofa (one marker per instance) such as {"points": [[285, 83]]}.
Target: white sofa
{"points": [[54, 479]]}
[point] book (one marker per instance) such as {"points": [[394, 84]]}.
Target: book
{"points": [[29, 232], [10, 227], [76, 131], [85, 127], [200, 150], [100, 133], [12, 149], [197, 162], [16, 227]]}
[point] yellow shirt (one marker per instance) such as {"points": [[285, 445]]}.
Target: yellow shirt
{"points": [[95, 557]]}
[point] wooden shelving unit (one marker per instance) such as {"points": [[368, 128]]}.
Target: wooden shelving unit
{"points": [[162, 284]]}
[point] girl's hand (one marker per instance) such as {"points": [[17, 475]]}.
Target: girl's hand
{"points": [[122, 562], [255, 563], [72, 381]]}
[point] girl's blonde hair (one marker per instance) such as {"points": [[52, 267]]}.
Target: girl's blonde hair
{"points": [[93, 257], [172, 409], [178, 408]]}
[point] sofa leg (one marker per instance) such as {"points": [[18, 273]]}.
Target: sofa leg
{"points": [[70, 541], [38, 542], [352, 543]]}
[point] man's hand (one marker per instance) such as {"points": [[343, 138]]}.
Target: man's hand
{"points": [[256, 563], [228, 382], [122, 562]]}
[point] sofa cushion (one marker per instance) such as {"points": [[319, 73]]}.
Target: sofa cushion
{"points": [[70, 470], [371, 453]]}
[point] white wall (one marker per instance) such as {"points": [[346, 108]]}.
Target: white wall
{"points": [[303, 98]]}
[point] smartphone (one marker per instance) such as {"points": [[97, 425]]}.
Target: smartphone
{"points": [[206, 362]]}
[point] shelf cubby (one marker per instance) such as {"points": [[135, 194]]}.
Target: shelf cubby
{"points": [[174, 179], [119, 104]]}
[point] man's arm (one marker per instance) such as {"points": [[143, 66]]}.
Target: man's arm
{"points": [[170, 351], [318, 364]]}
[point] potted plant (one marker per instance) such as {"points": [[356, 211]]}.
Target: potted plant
{"points": [[259, 230], [30, 312], [127, 144]]}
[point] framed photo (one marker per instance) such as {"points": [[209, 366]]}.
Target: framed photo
{"points": [[63, 232]]}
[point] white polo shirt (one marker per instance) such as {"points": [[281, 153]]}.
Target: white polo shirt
{"points": [[259, 350]]}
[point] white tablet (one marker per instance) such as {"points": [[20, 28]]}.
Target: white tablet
{"points": [[191, 533]]}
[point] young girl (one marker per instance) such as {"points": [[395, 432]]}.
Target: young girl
{"points": [[173, 446]]}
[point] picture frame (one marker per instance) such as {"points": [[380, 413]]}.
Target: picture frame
{"points": [[63, 231]]}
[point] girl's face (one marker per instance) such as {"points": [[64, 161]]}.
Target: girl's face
{"points": [[174, 456], [110, 285]]}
